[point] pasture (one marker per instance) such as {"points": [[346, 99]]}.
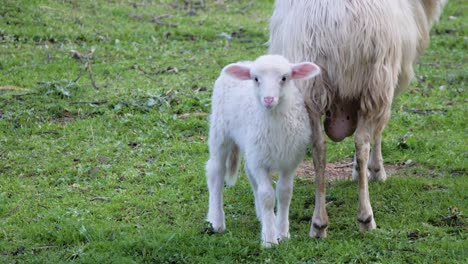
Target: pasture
{"points": [[103, 128]]}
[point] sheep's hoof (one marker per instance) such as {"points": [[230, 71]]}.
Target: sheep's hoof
{"points": [[377, 174], [318, 231], [367, 224], [374, 175]]}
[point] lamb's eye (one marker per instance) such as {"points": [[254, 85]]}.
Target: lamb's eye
{"points": [[256, 79], [283, 79]]}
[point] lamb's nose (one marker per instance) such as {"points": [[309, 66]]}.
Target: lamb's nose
{"points": [[268, 100]]}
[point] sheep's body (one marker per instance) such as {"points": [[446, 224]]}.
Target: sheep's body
{"points": [[367, 49], [271, 139], [360, 44]]}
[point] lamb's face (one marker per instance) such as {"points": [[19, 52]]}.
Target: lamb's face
{"points": [[272, 76], [270, 85]]}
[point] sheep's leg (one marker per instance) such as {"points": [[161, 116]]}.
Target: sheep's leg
{"points": [[319, 224], [284, 190], [266, 201], [355, 173], [215, 172], [375, 166], [376, 170], [365, 216]]}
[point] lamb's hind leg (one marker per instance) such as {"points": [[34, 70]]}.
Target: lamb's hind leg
{"points": [[215, 172]]}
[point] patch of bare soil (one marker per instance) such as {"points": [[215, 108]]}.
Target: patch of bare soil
{"points": [[340, 170]]}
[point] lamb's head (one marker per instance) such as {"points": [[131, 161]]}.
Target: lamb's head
{"points": [[272, 76]]}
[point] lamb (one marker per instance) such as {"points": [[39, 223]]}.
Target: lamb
{"points": [[257, 110], [366, 50]]}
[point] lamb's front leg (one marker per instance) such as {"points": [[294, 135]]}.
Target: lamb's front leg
{"points": [[284, 190], [266, 201], [254, 184]]}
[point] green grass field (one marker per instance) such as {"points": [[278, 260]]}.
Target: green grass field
{"points": [[103, 127]]}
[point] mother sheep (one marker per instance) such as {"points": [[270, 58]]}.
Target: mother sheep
{"points": [[366, 49]]}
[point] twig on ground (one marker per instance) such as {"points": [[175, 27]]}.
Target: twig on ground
{"points": [[187, 115], [24, 94], [47, 132], [157, 20], [79, 75], [44, 248], [99, 198], [88, 66], [343, 165], [91, 102]]}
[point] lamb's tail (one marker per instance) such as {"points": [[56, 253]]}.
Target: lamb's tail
{"points": [[232, 166]]}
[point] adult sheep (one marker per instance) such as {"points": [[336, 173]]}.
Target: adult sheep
{"points": [[366, 49]]}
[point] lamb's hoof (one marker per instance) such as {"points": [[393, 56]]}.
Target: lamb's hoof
{"points": [[318, 231], [283, 237], [211, 228], [269, 238], [269, 244], [367, 224], [219, 229]]}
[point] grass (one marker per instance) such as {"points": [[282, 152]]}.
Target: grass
{"points": [[116, 174]]}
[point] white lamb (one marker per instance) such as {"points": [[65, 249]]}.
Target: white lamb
{"points": [[366, 49], [257, 108]]}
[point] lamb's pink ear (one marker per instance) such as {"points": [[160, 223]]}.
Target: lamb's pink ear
{"points": [[238, 71], [305, 70]]}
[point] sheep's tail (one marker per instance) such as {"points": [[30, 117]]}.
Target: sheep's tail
{"points": [[232, 166]]}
